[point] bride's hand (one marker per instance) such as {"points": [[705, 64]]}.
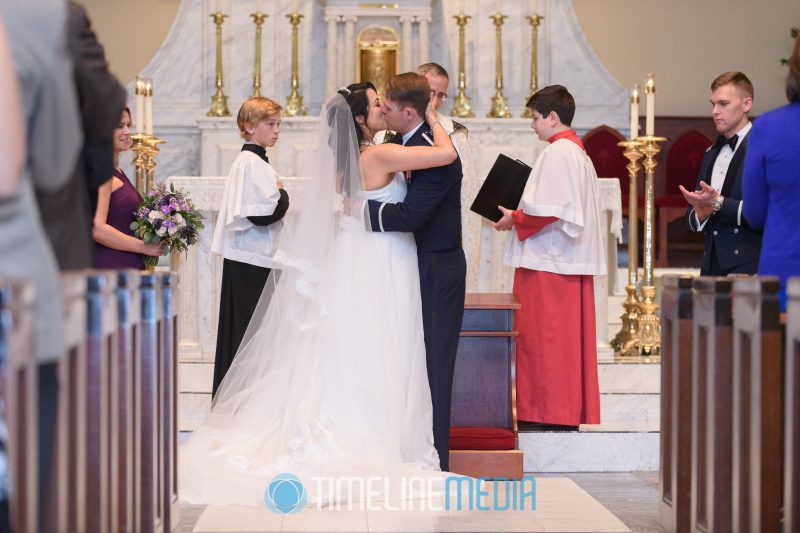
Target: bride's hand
{"points": [[430, 112]]}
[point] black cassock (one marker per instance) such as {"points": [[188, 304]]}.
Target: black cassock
{"points": [[242, 284]]}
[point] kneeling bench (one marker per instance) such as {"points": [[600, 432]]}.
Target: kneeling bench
{"points": [[483, 417]]}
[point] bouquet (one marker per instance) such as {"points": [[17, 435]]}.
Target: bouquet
{"points": [[167, 217]]}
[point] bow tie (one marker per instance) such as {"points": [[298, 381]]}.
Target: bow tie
{"points": [[722, 141]]}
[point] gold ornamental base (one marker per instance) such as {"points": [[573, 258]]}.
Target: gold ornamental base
{"points": [[649, 341], [627, 340], [499, 107]]}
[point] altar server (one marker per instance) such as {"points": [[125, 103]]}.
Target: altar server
{"points": [[248, 227], [556, 247]]}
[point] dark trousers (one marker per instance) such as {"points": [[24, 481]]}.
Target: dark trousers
{"points": [[442, 277], [48, 412]]}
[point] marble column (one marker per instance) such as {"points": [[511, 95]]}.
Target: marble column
{"points": [[424, 43], [406, 60], [332, 66], [349, 50]]}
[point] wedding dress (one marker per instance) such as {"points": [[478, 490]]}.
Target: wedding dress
{"points": [[331, 377]]}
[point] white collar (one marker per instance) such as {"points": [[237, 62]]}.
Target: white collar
{"points": [[409, 134], [742, 133]]}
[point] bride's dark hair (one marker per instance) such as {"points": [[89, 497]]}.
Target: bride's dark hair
{"points": [[356, 97]]}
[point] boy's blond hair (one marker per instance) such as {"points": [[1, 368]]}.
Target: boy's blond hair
{"points": [[253, 111]]}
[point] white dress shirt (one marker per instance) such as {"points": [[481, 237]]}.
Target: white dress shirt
{"points": [[720, 170]]}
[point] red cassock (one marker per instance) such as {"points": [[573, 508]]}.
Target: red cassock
{"points": [[557, 380]]}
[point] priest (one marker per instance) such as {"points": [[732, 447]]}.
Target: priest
{"points": [[556, 247]]}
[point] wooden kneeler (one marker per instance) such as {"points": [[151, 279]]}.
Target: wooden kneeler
{"points": [[483, 418], [791, 469]]}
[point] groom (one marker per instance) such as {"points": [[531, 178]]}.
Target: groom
{"points": [[432, 211]]}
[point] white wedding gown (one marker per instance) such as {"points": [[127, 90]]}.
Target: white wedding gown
{"points": [[352, 397]]}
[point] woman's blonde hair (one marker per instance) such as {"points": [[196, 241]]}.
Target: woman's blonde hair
{"points": [[253, 111]]}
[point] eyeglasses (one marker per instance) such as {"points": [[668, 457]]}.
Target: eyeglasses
{"points": [[440, 96]]}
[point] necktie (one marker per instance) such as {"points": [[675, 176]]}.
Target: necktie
{"points": [[722, 141]]}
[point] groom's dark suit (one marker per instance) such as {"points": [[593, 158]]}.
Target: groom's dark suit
{"points": [[432, 210]]}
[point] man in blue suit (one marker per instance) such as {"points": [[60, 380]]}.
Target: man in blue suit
{"points": [[432, 211], [715, 207]]}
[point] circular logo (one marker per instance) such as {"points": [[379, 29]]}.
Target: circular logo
{"points": [[285, 494]]}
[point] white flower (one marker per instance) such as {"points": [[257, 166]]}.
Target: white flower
{"points": [[155, 215], [178, 219], [173, 230], [161, 231]]}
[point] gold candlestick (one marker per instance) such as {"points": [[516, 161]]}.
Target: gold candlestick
{"points": [[140, 148], [649, 323], [258, 20], [499, 102], [461, 106], [294, 102], [535, 20], [219, 102], [626, 341], [150, 160]]}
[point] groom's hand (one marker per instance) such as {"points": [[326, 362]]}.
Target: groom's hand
{"points": [[505, 223]]}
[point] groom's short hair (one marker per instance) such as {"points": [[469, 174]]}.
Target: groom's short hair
{"points": [[410, 89]]}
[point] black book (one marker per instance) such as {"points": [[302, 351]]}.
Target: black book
{"points": [[503, 186]]}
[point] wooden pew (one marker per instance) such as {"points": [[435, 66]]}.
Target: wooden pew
{"points": [[791, 482], [711, 420], [124, 479], [757, 405], [484, 389], [19, 376], [101, 347], [676, 402], [168, 393], [151, 505]]}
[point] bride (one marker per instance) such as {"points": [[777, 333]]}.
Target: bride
{"points": [[330, 379]]}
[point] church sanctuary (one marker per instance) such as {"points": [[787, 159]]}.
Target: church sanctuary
{"points": [[399, 266]]}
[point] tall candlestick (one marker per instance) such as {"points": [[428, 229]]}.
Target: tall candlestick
{"points": [[139, 92], [148, 107], [499, 101], [650, 117], [461, 106], [635, 112]]}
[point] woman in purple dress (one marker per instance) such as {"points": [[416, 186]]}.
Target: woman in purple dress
{"points": [[117, 200]]}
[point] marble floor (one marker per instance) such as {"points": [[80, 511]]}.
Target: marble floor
{"points": [[575, 502]]}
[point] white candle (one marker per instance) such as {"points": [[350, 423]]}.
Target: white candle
{"points": [[497, 5], [533, 7], [461, 7], [296, 5], [258, 6], [650, 117], [635, 112], [139, 91], [148, 108], [219, 6]]}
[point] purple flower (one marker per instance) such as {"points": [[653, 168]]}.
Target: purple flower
{"points": [[166, 209], [169, 223]]}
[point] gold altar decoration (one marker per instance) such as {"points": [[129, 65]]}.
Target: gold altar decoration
{"points": [[258, 20], [499, 102], [626, 341], [461, 106], [219, 102], [534, 20], [140, 148], [378, 55], [294, 102], [649, 342], [150, 160]]}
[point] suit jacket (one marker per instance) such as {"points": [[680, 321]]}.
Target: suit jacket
{"points": [[432, 207], [68, 213], [735, 246], [44, 71]]}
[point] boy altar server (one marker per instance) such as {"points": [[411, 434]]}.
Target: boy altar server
{"points": [[556, 247]]}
